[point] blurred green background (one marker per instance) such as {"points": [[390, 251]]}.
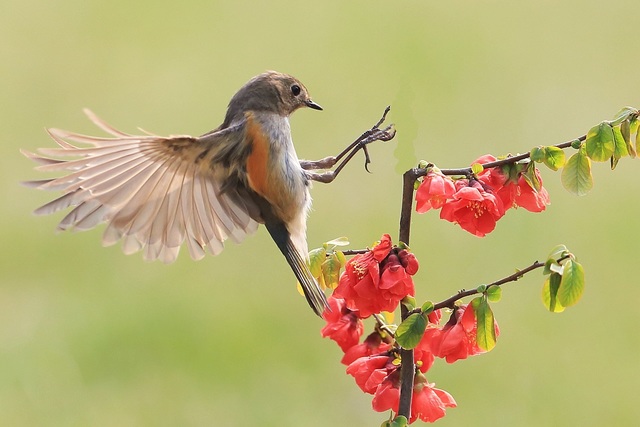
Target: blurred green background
{"points": [[90, 337]]}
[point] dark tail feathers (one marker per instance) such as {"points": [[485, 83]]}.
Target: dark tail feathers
{"points": [[315, 297]]}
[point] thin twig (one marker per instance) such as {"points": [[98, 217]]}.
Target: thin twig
{"points": [[418, 172]]}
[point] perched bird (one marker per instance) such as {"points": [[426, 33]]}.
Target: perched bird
{"points": [[157, 192]]}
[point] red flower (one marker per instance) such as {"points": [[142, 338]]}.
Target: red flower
{"points": [[429, 403], [369, 372], [457, 339], [473, 208], [530, 199], [434, 190], [376, 281], [395, 279], [387, 395], [510, 186], [423, 355], [373, 344], [343, 325]]}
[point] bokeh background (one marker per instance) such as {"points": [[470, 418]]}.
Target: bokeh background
{"points": [[90, 337]]}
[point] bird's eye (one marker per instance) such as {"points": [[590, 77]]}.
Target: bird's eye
{"points": [[295, 89]]}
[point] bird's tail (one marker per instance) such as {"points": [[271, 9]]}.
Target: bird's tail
{"points": [[312, 292]]}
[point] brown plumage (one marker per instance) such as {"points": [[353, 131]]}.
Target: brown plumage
{"points": [[156, 193]]}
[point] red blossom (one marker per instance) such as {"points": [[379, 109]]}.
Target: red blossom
{"points": [[530, 199], [369, 372], [457, 339], [343, 325], [434, 190], [473, 208], [377, 280], [373, 344], [423, 355], [510, 186], [429, 403], [387, 395]]}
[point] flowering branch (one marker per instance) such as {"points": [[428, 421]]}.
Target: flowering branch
{"points": [[468, 171], [392, 361], [450, 302]]}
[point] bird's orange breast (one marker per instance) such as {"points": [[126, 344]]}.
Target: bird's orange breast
{"points": [[257, 162]]}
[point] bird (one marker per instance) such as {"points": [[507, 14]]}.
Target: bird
{"points": [[157, 193]]}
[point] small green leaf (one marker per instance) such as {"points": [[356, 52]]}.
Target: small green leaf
{"points": [[427, 308], [481, 289], [486, 332], [625, 130], [572, 284], [558, 252], [637, 135], [340, 241], [550, 292], [530, 175], [599, 143], [316, 258], [331, 270], [623, 114], [409, 302], [410, 331], [399, 421], [476, 168], [554, 157], [494, 293], [620, 149], [537, 154], [576, 175]]}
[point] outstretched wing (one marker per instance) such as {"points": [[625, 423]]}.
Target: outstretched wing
{"points": [[154, 192]]}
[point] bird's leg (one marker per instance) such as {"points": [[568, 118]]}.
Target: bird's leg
{"points": [[369, 136]]}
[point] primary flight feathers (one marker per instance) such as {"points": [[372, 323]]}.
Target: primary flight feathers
{"points": [[148, 188]]}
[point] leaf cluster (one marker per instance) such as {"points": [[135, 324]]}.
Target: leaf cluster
{"points": [[610, 140]]}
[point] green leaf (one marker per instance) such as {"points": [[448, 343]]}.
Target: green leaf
{"points": [[576, 175], [340, 241], [410, 331], [558, 252], [554, 157], [486, 332], [572, 284], [550, 292], [476, 168], [316, 258], [494, 293], [331, 270], [427, 308], [409, 302], [620, 149], [529, 175], [623, 114], [537, 154], [399, 421], [625, 130], [599, 143], [637, 134]]}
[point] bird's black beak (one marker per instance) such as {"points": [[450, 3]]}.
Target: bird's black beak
{"points": [[313, 105]]}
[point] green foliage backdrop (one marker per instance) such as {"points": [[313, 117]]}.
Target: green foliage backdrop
{"points": [[90, 337]]}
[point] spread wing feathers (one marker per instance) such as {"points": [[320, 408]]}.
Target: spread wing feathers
{"points": [[155, 193]]}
